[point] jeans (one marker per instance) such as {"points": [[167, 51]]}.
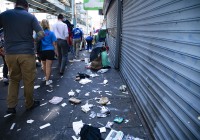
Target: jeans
{"points": [[89, 44], [63, 48], [21, 67]]}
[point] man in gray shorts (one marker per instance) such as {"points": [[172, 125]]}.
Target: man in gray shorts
{"points": [[18, 26]]}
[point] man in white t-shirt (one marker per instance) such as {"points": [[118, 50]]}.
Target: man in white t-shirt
{"points": [[61, 31]]}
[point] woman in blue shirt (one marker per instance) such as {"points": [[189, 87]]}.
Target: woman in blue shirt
{"points": [[49, 49]]}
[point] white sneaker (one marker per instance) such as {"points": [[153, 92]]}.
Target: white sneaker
{"points": [[5, 80], [49, 82]]}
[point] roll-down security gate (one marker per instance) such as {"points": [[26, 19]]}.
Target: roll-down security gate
{"points": [[160, 61]]}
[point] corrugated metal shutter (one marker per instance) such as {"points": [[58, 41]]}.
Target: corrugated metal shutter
{"points": [[112, 29], [160, 60]]}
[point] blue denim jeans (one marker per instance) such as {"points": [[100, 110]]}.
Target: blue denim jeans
{"points": [[63, 48]]}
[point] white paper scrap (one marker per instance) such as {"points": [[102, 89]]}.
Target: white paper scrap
{"points": [[30, 121], [85, 81], [74, 138], [44, 126], [36, 86], [87, 94], [102, 129], [7, 115], [56, 100], [71, 93], [63, 104], [77, 126], [78, 90], [199, 118], [86, 107], [43, 104], [105, 81], [49, 90], [12, 126]]}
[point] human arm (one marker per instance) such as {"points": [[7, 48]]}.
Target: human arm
{"points": [[55, 48]]}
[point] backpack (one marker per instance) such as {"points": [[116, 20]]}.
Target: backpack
{"points": [[69, 25]]}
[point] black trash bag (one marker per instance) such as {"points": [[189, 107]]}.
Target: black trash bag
{"points": [[90, 133]]}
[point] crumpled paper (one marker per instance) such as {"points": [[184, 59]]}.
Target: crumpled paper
{"points": [[56, 100], [77, 126]]}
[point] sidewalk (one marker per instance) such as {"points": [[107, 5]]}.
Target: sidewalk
{"points": [[61, 118]]}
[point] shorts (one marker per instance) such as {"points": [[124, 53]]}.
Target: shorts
{"points": [[47, 55]]}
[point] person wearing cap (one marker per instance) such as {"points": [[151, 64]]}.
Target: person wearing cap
{"points": [[61, 31], [18, 26]]}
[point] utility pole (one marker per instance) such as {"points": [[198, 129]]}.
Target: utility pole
{"points": [[73, 12]]}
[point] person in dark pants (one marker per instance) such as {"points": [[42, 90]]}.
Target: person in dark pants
{"points": [[89, 41], [61, 31], [18, 26]]}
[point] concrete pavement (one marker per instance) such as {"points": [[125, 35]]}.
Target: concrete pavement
{"points": [[61, 118]]}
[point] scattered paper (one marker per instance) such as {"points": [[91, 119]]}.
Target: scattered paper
{"points": [[94, 75], [115, 135], [74, 138], [105, 82], [93, 114], [109, 124], [12, 126], [74, 100], [43, 104], [102, 129], [63, 104], [56, 100], [126, 121], [44, 126], [102, 70], [123, 88], [49, 90], [85, 81], [7, 115], [30, 121], [199, 118], [22, 86], [36, 86], [19, 129], [87, 94], [71, 93], [86, 107], [78, 90], [77, 126]]}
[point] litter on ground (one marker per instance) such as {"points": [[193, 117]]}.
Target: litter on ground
{"points": [[77, 126], [74, 100], [44, 126], [30, 121], [71, 93], [56, 100], [12, 126]]}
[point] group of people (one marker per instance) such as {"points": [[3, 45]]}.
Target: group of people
{"points": [[19, 50]]}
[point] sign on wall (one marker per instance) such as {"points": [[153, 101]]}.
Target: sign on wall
{"points": [[93, 4]]}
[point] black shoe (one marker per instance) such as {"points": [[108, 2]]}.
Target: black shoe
{"points": [[11, 111], [35, 104], [61, 73]]}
